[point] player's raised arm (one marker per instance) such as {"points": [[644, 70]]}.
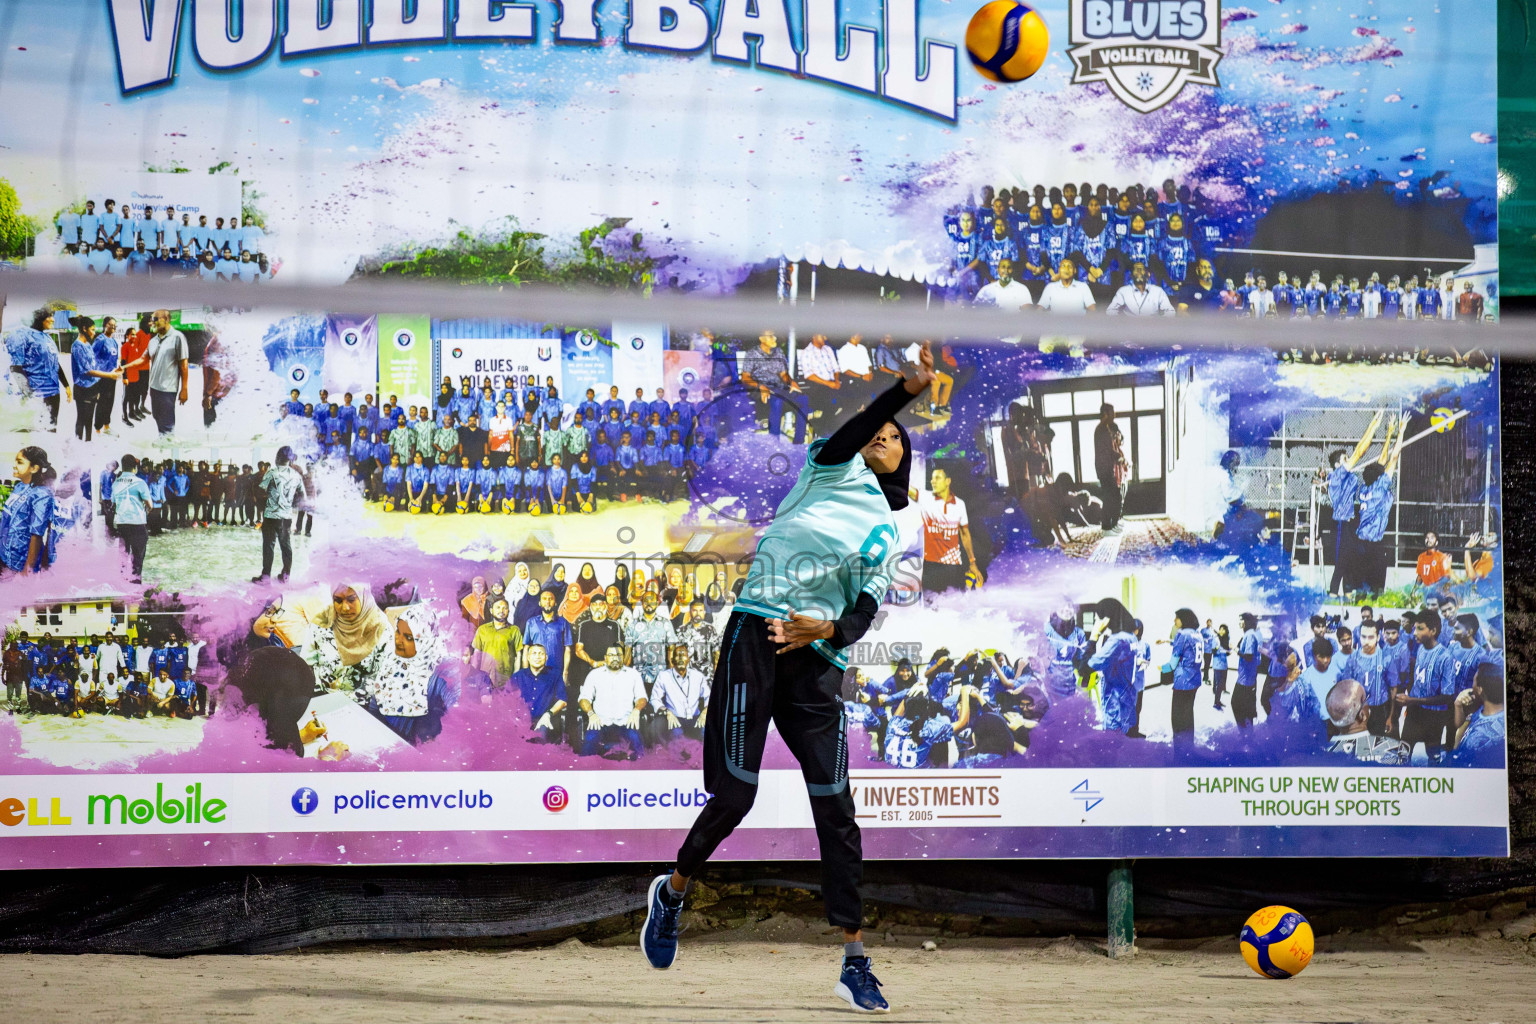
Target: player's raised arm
{"points": [[1365, 441], [861, 428]]}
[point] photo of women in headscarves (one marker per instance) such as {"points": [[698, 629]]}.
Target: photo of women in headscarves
{"points": [[527, 606], [517, 586], [332, 674], [347, 639], [408, 691], [1115, 661], [573, 603], [587, 580], [473, 603]]}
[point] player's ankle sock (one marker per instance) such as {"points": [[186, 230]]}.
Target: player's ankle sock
{"points": [[853, 950], [673, 894]]}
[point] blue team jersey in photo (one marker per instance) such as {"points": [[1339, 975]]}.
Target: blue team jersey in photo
{"points": [[1429, 302], [1248, 659], [1138, 249], [1296, 703], [1058, 240], [1188, 650], [968, 249], [1370, 671], [1178, 255], [906, 748], [1466, 660], [1343, 489], [1032, 243], [832, 538], [1115, 661], [1483, 732], [1375, 504], [1354, 299], [1066, 651], [1094, 249], [997, 250], [1434, 675]]}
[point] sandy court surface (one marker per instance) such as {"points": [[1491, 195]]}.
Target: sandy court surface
{"points": [[1366, 980]]}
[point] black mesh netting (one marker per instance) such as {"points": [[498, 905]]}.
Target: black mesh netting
{"points": [[184, 911]]}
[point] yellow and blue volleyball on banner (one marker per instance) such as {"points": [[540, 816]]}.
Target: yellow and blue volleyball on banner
{"points": [[1277, 942], [1007, 40]]}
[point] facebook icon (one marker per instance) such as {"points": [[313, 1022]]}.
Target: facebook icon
{"points": [[305, 800]]}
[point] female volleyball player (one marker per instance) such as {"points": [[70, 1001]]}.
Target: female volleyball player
{"points": [[817, 579]]}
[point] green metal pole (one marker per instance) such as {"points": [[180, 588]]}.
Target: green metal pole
{"points": [[1122, 912]]}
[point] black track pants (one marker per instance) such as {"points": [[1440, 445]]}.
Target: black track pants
{"points": [[801, 693]]}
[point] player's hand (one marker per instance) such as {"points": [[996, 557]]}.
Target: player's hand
{"points": [[544, 722], [797, 631], [1464, 699], [699, 722], [672, 722], [633, 721], [183, 398], [976, 577], [922, 375]]}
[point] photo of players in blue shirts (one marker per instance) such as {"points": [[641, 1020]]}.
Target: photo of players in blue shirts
{"points": [[1149, 250], [131, 677], [113, 238]]}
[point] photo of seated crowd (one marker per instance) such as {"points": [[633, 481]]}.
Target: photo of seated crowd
{"points": [[117, 374], [346, 669], [819, 383], [149, 669], [1423, 686], [512, 451], [606, 656], [1145, 251], [130, 240]]}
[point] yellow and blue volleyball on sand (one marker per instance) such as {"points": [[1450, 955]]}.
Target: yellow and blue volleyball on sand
{"points": [[1007, 40], [1277, 942]]}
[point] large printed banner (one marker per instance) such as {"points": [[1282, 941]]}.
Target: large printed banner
{"points": [[1212, 601]]}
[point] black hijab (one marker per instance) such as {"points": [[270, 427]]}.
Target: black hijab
{"points": [[896, 483]]}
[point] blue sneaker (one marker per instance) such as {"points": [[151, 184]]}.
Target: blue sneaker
{"points": [[860, 987], [658, 939]]}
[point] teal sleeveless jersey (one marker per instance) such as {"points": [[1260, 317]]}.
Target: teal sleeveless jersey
{"points": [[833, 538]]}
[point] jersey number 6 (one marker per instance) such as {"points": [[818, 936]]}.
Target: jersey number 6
{"points": [[877, 545]]}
